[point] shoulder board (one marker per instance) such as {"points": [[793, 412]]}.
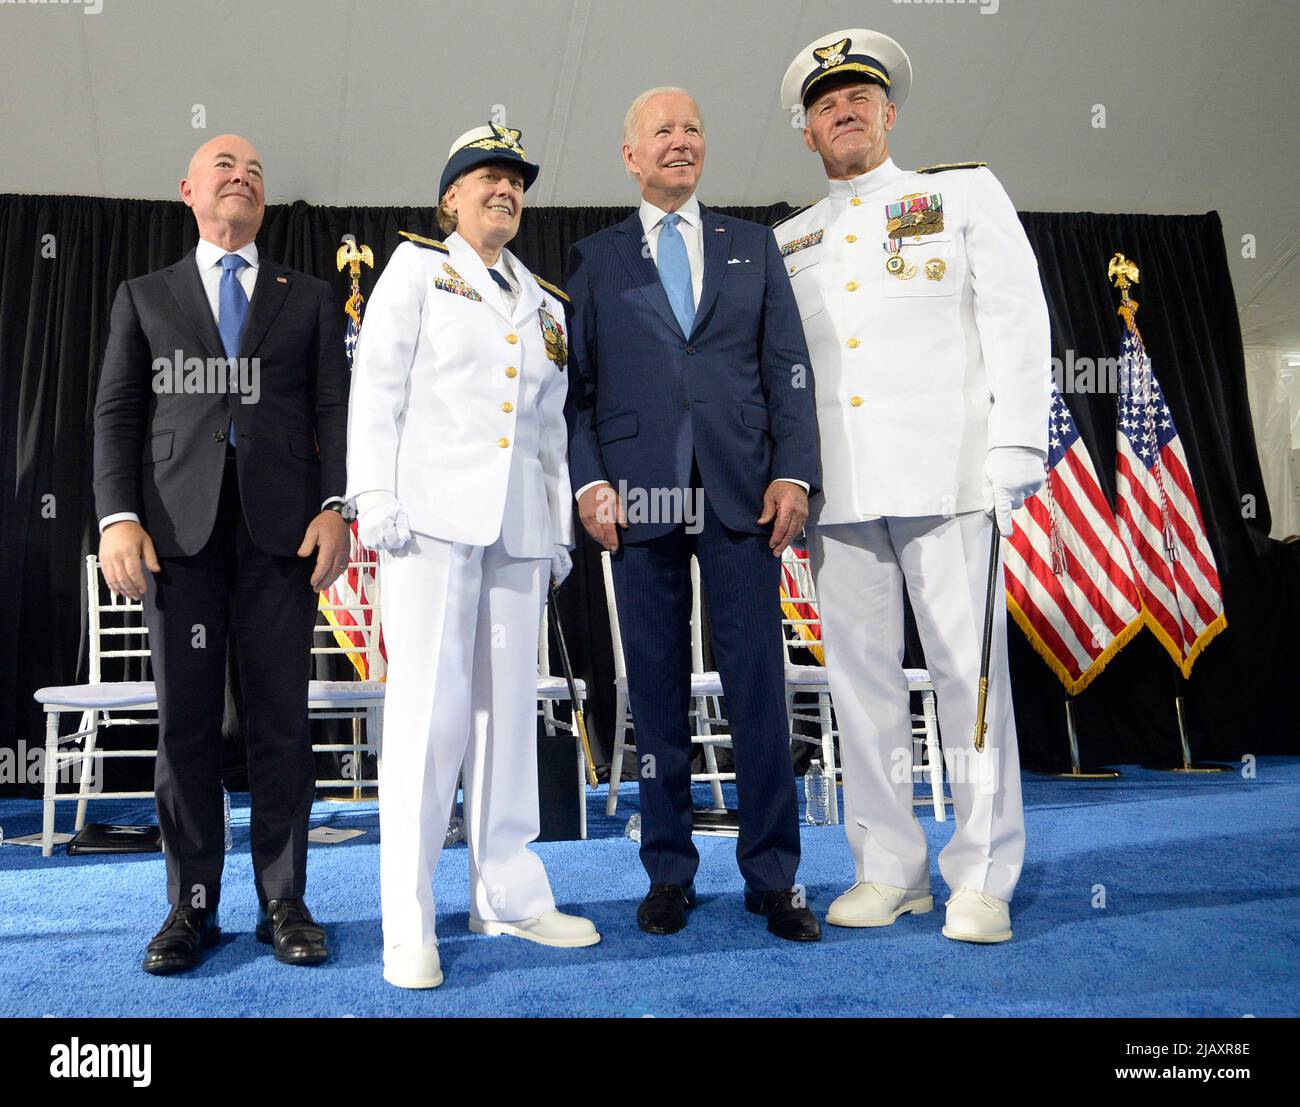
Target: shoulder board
{"points": [[797, 211], [944, 166], [557, 292], [420, 240]]}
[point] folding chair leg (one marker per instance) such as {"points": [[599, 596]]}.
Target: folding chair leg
{"points": [[50, 772], [375, 730], [934, 755], [90, 722], [616, 766], [828, 754], [702, 726], [582, 786]]}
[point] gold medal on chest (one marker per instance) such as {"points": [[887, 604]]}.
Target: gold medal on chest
{"points": [[553, 338], [895, 266]]}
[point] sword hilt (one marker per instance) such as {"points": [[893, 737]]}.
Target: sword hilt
{"points": [[981, 727]]}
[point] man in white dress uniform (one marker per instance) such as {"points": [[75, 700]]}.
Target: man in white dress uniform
{"points": [[457, 439], [928, 332]]}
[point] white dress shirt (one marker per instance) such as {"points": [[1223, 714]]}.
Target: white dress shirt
{"points": [[208, 255], [511, 296], [691, 228]]}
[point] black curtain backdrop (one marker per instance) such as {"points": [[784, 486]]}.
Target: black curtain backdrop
{"points": [[62, 258]]}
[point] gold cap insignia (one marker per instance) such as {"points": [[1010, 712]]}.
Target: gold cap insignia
{"points": [[834, 54], [504, 138]]}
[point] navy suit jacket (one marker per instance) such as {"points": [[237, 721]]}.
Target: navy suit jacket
{"points": [[741, 380]]}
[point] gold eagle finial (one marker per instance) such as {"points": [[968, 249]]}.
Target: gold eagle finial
{"points": [[1123, 273], [352, 254]]}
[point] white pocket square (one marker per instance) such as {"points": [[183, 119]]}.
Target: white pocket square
{"points": [[737, 261]]}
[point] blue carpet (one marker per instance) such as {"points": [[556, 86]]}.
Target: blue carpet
{"points": [[1201, 879]]}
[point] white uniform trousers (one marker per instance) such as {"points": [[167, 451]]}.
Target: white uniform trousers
{"points": [[861, 569], [460, 627]]}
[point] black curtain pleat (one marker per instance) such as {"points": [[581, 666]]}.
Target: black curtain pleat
{"points": [[62, 258]]}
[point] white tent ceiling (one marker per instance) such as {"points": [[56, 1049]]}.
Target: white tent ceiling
{"points": [[355, 101]]}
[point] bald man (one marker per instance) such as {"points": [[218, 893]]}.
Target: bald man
{"points": [[220, 438]]}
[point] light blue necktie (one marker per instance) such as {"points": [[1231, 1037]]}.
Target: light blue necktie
{"points": [[232, 310], [675, 273]]}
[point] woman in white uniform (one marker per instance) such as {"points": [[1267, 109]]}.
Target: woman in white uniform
{"points": [[456, 462]]}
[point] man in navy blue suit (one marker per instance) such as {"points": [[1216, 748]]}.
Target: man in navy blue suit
{"points": [[692, 429]]}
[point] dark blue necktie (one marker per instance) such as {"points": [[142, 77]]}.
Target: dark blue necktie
{"points": [[232, 310], [501, 281], [675, 273]]}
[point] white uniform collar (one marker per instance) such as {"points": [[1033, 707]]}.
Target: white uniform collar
{"points": [[476, 273], [884, 174]]}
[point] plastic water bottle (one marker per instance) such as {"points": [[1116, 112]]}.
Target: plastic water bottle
{"points": [[633, 828], [455, 832], [225, 802], [816, 795]]}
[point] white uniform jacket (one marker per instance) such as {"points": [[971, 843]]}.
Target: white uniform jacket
{"points": [[456, 406], [922, 370]]}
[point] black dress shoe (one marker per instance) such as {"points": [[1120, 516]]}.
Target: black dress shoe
{"points": [[185, 933], [784, 918], [663, 911], [287, 925]]}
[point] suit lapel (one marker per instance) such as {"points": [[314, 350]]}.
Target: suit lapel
{"points": [[642, 269], [187, 287], [716, 240], [269, 294]]}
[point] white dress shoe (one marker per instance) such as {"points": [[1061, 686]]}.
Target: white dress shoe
{"points": [[878, 905], [412, 966], [977, 917], [551, 929]]}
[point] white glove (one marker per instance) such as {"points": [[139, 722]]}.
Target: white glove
{"points": [[382, 524], [561, 564], [1010, 474]]}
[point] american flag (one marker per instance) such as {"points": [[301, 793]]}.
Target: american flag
{"points": [[797, 598], [359, 584], [1068, 577], [1159, 513]]}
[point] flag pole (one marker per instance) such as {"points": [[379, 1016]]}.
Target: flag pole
{"points": [[1076, 773], [354, 256], [1123, 273], [1188, 765]]}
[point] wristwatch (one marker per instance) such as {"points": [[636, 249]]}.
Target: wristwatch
{"points": [[344, 508]]}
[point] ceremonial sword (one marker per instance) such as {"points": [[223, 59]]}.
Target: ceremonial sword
{"points": [[576, 704], [989, 600]]}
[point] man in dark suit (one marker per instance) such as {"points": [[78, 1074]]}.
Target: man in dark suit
{"points": [[220, 442], [693, 430]]}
